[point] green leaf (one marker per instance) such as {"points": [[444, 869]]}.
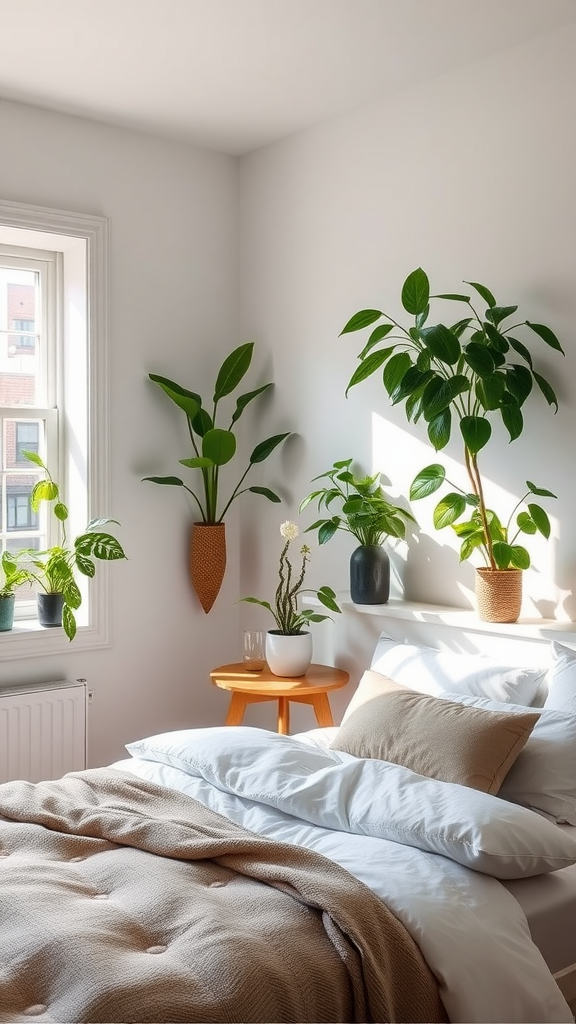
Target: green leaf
{"points": [[502, 554], [439, 429], [519, 557], [33, 457], [479, 359], [201, 422], [198, 462], [244, 400], [394, 371], [540, 518], [512, 418], [526, 523], [518, 382], [540, 491], [265, 448], [189, 401], [100, 545], [266, 492], [427, 481], [60, 511], [362, 319], [327, 530], [254, 600], [470, 544], [72, 595], [497, 340], [328, 598], [416, 292], [219, 446], [453, 296], [546, 390], [85, 565], [483, 291], [422, 317], [448, 510], [476, 431], [440, 393], [442, 343], [489, 391], [44, 490], [233, 369], [499, 313], [377, 335], [68, 622], [368, 366], [413, 381], [521, 350], [546, 334]]}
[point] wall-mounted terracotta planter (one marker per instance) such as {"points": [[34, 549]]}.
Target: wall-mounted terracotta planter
{"points": [[207, 561]]}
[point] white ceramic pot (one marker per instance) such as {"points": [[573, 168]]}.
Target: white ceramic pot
{"points": [[288, 655]]}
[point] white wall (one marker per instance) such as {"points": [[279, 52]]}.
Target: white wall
{"points": [[173, 213], [470, 177]]}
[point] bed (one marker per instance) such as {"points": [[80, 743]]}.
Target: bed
{"points": [[232, 873]]}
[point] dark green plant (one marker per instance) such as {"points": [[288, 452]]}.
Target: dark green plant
{"points": [[54, 569], [213, 446], [363, 508], [466, 371]]}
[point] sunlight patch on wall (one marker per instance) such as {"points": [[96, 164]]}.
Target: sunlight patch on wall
{"points": [[399, 456]]}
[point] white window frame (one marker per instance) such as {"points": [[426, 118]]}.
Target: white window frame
{"points": [[83, 241]]}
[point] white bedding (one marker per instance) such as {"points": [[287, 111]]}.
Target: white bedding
{"points": [[470, 929]]}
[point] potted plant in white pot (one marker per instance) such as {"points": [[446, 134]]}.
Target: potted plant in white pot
{"points": [[54, 569], [469, 371], [359, 506], [213, 448], [15, 576], [289, 646]]}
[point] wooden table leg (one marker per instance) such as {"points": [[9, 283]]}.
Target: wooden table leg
{"points": [[322, 709], [236, 709], [283, 715]]}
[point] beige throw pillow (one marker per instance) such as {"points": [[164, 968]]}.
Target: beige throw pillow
{"points": [[433, 737]]}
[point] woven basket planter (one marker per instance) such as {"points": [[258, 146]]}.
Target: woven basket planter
{"points": [[207, 561], [499, 594]]}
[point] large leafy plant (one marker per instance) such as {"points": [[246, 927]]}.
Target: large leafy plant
{"points": [[356, 505], [214, 446], [467, 371], [54, 569]]}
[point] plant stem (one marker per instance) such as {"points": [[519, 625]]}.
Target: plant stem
{"points": [[474, 474]]}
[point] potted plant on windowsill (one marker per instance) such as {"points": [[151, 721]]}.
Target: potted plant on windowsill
{"points": [[468, 371], [365, 512], [54, 569], [14, 576], [289, 646], [213, 448]]}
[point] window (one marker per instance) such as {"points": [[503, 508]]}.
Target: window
{"points": [[53, 362]]}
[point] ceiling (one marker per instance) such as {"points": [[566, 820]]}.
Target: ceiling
{"points": [[234, 75]]}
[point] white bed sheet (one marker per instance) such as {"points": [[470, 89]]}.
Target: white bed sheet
{"points": [[471, 930]]}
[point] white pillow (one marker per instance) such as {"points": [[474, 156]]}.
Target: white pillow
{"points": [[562, 679], [543, 775], [430, 671], [367, 797]]}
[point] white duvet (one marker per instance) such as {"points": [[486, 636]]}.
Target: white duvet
{"points": [[472, 932]]}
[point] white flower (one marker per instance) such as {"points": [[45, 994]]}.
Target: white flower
{"points": [[289, 530]]}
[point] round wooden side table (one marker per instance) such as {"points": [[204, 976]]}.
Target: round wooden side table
{"points": [[255, 687]]}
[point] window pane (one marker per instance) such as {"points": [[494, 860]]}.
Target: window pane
{"points": [[19, 336]]}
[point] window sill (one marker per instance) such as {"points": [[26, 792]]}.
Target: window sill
{"points": [[28, 639]]}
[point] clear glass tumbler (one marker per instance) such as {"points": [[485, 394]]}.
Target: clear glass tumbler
{"points": [[253, 650]]}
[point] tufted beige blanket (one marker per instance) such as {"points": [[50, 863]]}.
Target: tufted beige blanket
{"points": [[123, 901]]}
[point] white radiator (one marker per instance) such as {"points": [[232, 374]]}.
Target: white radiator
{"points": [[42, 731]]}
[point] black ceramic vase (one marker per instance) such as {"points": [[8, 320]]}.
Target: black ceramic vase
{"points": [[369, 575], [50, 609]]}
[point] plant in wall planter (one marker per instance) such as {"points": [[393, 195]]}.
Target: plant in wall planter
{"points": [[14, 576], [54, 569], [365, 512], [467, 371], [289, 646], [213, 448]]}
